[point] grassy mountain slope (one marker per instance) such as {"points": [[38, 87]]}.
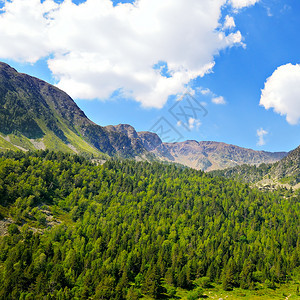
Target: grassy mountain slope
{"points": [[41, 116]]}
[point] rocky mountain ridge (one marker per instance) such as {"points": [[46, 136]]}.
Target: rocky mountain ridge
{"points": [[37, 115]]}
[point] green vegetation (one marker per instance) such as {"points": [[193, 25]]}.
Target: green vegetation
{"points": [[130, 230], [5, 145], [245, 173]]}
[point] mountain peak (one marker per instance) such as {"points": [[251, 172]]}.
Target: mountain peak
{"points": [[6, 66], [150, 140], [124, 128]]}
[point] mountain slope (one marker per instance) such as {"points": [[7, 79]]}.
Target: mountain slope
{"points": [[285, 173], [37, 115], [288, 167]]}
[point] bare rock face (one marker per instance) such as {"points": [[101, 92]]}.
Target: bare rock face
{"points": [[150, 140]]}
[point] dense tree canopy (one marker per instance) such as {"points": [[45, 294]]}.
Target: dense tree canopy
{"points": [[125, 228]]}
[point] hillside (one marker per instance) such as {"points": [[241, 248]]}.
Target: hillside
{"points": [[127, 230], [36, 115], [284, 173]]}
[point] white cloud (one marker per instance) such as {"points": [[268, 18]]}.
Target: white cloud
{"points": [[97, 48], [205, 92], [218, 100], [243, 3], [194, 123], [229, 22], [24, 30], [214, 98], [261, 136], [282, 92]]}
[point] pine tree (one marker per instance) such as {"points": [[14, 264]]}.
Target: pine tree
{"points": [[152, 285]]}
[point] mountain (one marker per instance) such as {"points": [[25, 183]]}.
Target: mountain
{"points": [[213, 155], [37, 115], [284, 173]]}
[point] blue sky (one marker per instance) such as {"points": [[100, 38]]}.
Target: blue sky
{"points": [[254, 61]]}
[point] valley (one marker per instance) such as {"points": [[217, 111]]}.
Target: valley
{"points": [[130, 230], [105, 212]]}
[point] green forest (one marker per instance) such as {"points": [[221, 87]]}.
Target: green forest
{"points": [[127, 230]]}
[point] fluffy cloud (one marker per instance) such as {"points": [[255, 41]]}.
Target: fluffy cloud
{"points": [[214, 98], [194, 123], [229, 22], [205, 92], [24, 30], [97, 48], [243, 3], [261, 136], [218, 100], [282, 92]]}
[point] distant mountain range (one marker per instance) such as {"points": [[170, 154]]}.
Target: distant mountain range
{"points": [[37, 115], [213, 155]]}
